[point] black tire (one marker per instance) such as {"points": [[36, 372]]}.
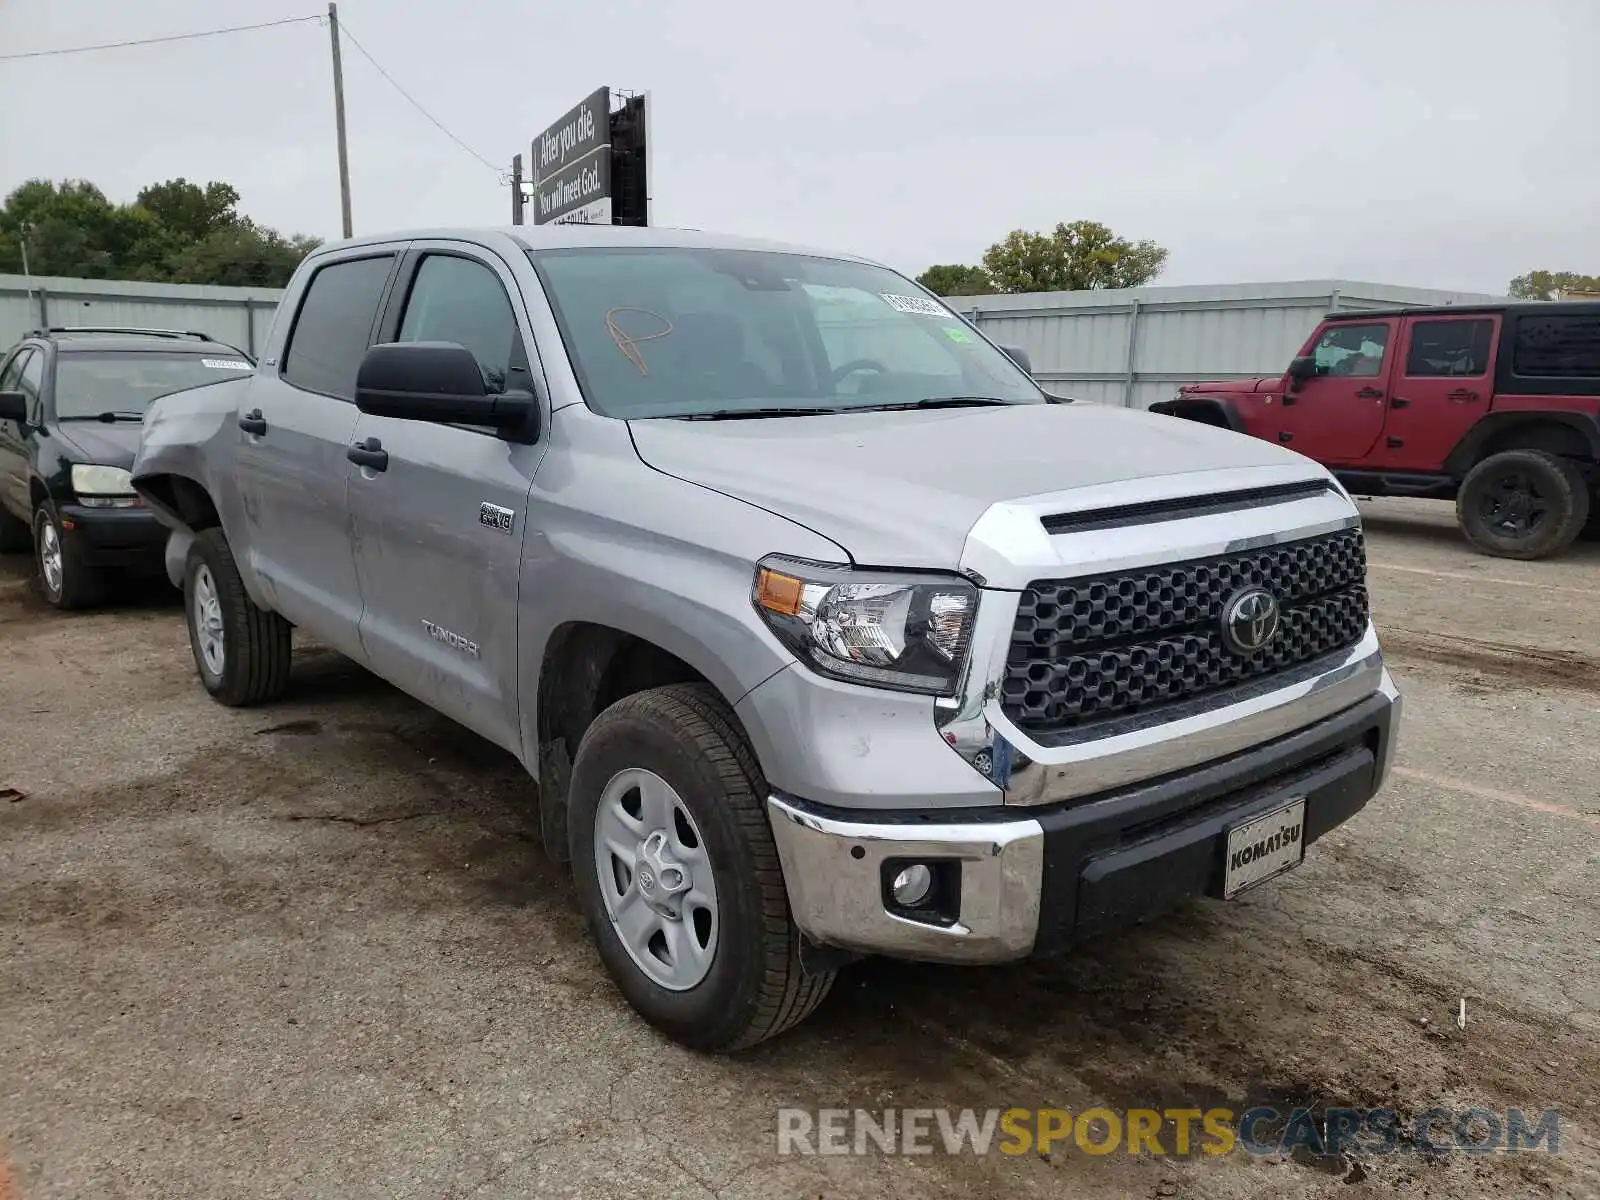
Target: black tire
{"points": [[16, 536], [755, 987], [1487, 508], [70, 583], [254, 665]]}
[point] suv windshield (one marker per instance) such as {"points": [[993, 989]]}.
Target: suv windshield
{"points": [[670, 332], [92, 382]]}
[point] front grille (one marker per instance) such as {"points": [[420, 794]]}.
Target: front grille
{"points": [[1106, 646]]}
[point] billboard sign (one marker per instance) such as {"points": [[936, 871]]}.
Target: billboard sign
{"points": [[572, 164], [592, 166]]}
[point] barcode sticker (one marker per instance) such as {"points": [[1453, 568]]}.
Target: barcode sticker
{"points": [[226, 364], [920, 305]]}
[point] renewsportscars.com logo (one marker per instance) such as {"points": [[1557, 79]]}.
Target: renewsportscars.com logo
{"points": [[1177, 1132]]}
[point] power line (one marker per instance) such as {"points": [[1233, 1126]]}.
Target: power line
{"points": [[176, 37], [437, 124]]}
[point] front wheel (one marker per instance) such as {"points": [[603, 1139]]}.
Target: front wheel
{"points": [[678, 874], [65, 580], [240, 650], [1522, 504]]}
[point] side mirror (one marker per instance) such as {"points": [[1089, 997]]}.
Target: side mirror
{"points": [[1019, 356], [13, 406], [439, 382], [1302, 368]]}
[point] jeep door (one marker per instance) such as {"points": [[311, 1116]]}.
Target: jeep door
{"points": [[1337, 415], [1442, 387], [439, 521], [294, 432]]}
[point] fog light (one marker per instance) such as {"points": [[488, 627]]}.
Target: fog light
{"points": [[912, 885]]}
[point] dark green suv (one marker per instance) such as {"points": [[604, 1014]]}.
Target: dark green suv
{"points": [[72, 402]]}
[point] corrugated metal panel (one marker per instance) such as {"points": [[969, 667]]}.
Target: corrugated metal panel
{"points": [[1080, 341], [238, 316]]}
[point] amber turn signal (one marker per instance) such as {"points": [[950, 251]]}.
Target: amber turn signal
{"points": [[778, 593]]}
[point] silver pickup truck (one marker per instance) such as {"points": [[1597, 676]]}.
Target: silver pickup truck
{"points": [[822, 629]]}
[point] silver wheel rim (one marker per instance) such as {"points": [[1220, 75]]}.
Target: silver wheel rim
{"points": [[656, 880], [207, 620], [51, 566]]}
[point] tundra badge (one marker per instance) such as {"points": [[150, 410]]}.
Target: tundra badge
{"points": [[496, 517], [454, 640]]}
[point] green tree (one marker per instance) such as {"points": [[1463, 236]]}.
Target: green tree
{"points": [[1070, 258], [1544, 285], [174, 231], [956, 279]]}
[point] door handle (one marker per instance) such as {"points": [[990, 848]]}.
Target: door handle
{"points": [[1461, 396], [1286, 437], [369, 453], [1399, 402], [253, 422], [1370, 393]]}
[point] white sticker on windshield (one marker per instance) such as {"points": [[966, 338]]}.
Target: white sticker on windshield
{"points": [[920, 305], [226, 364]]}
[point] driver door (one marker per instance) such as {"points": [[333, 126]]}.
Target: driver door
{"points": [[1337, 415]]}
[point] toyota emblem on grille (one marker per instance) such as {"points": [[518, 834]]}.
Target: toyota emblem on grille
{"points": [[1250, 620]]}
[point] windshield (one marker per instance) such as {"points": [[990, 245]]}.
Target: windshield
{"points": [[667, 332], [91, 382]]}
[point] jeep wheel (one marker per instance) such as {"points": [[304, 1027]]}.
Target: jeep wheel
{"points": [[65, 581], [678, 875], [241, 651], [1522, 504]]}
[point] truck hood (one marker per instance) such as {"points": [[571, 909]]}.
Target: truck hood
{"points": [[903, 489], [99, 442], [1262, 383]]}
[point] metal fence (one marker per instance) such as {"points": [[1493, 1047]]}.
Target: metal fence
{"points": [[238, 316], [1135, 346]]}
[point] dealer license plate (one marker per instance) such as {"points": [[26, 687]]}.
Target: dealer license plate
{"points": [[1264, 847]]}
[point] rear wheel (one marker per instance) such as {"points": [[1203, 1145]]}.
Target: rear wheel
{"points": [[678, 874], [65, 581], [240, 650], [1522, 504]]}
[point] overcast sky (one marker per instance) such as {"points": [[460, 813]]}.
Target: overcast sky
{"points": [[1446, 143]]}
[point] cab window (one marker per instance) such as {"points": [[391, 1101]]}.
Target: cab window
{"points": [[1449, 348], [458, 300], [31, 385], [1352, 350]]}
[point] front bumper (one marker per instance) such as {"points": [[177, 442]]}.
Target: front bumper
{"points": [[1034, 881], [115, 537]]}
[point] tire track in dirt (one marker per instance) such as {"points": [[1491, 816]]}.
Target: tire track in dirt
{"points": [[1525, 666]]}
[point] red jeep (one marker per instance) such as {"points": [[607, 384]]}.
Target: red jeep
{"points": [[1496, 406]]}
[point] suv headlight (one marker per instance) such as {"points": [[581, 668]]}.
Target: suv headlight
{"points": [[909, 632], [103, 487]]}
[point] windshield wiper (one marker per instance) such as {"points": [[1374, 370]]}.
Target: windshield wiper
{"points": [[936, 402], [108, 417], [740, 414]]}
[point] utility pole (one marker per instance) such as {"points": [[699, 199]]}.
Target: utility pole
{"points": [[338, 117], [516, 190], [25, 231]]}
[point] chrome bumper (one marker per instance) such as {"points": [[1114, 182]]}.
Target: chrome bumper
{"points": [[834, 870], [836, 865]]}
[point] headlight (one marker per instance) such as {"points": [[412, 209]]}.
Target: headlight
{"points": [[902, 631], [103, 486]]}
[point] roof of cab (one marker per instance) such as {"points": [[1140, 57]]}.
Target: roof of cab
{"points": [[553, 237]]}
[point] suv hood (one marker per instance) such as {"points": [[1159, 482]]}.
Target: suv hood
{"points": [[1262, 383], [903, 489], [100, 442]]}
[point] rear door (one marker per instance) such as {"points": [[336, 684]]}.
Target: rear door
{"points": [[439, 528], [1443, 384], [294, 433], [1337, 415]]}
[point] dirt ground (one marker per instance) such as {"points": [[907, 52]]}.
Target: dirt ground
{"points": [[314, 950]]}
